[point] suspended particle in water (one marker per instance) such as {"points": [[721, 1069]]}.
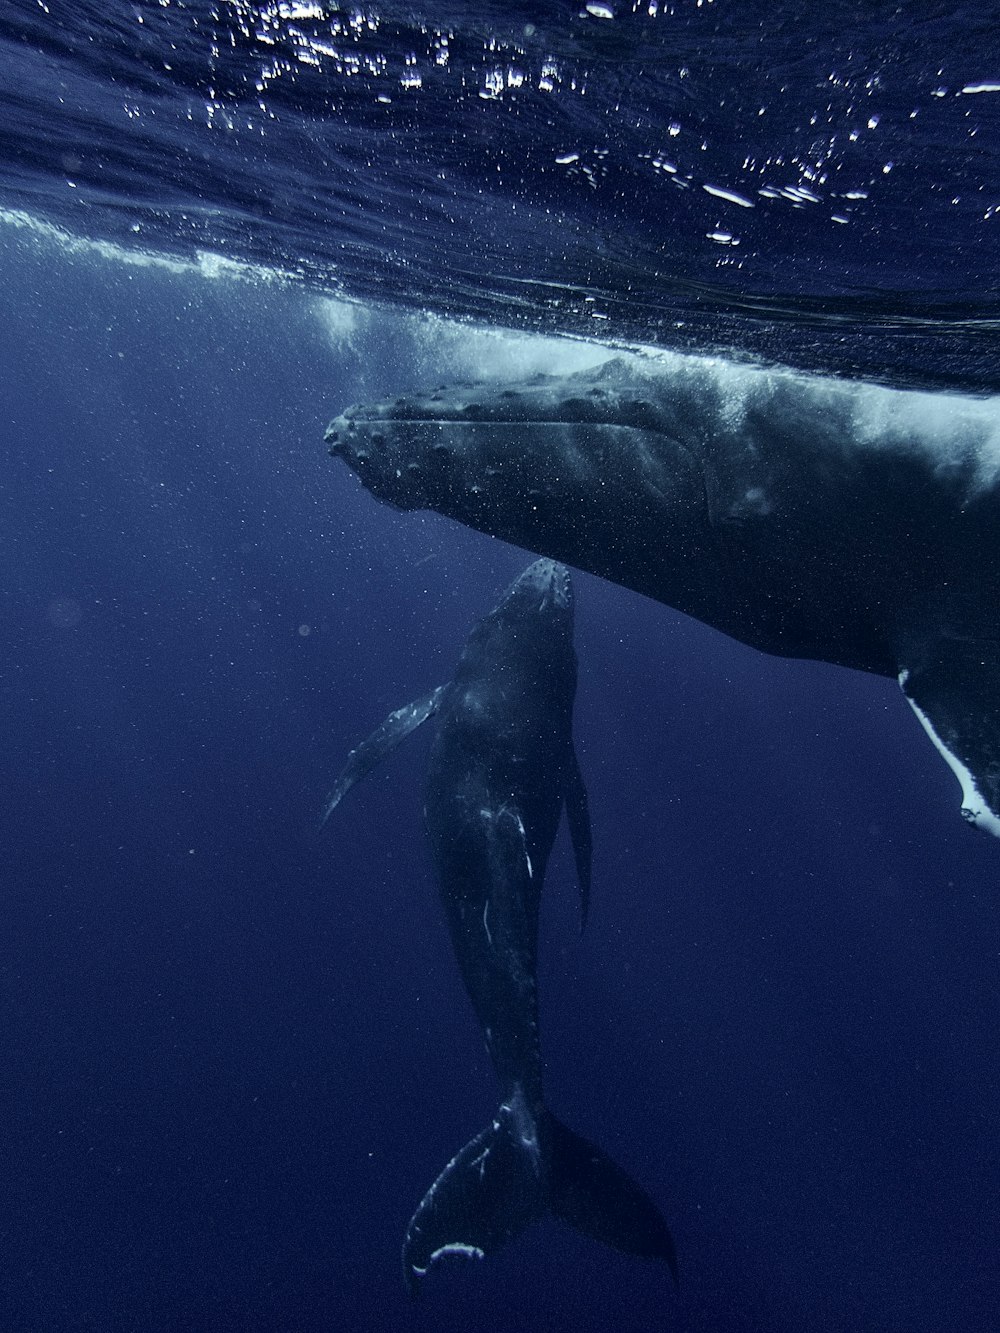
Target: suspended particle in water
{"points": [[64, 612]]}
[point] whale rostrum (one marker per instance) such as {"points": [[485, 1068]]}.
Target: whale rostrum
{"points": [[809, 518], [502, 768]]}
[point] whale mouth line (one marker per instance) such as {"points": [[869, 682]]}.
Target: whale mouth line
{"points": [[460, 419]]}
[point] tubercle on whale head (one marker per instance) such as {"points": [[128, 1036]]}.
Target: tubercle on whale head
{"points": [[534, 619], [544, 485], [417, 462], [546, 585], [381, 461], [530, 629], [403, 449], [546, 465]]}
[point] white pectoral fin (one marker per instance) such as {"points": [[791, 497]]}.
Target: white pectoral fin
{"points": [[383, 740], [956, 696]]}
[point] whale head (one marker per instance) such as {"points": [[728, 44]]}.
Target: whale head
{"points": [[526, 642], [543, 588], [544, 464]]}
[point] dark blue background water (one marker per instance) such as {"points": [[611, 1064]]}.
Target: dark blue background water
{"points": [[235, 1054]]}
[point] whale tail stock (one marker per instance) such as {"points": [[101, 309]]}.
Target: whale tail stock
{"points": [[509, 1176]]}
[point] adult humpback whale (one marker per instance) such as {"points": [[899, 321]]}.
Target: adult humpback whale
{"points": [[809, 518], [502, 766]]}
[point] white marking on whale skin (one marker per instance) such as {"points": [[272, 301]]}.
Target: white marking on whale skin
{"points": [[480, 1162], [974, 808], [527, 1130], [454, 1247], [524, 837], [486, 924], [505, 809], [529, 1140]]}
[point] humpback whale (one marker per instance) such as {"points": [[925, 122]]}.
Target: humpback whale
{"points": [[502, 768], [808, 518]]}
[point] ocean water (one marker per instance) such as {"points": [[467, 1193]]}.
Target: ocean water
{"points": [[236, 1053]]}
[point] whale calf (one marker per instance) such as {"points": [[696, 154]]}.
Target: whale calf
{"points": [[502, 768], [807, 518]]}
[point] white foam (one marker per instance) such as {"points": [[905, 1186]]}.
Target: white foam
{"points": [[953, 430], [448, 349], [344, 322], [206, 263]]}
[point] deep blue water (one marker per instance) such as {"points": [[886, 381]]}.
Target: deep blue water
{"points": [[236, 1053]]}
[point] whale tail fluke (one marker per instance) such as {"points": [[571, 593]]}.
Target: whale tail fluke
{"points": [[506, 1178], [485, 1196], [593, 1194]]}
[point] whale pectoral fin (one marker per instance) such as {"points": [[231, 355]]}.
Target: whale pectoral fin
{"points": [[953, 686], [383, 740], [578, 818]]}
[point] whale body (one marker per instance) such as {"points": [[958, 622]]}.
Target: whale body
{"points": [[815, 519], [502, 769]]}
